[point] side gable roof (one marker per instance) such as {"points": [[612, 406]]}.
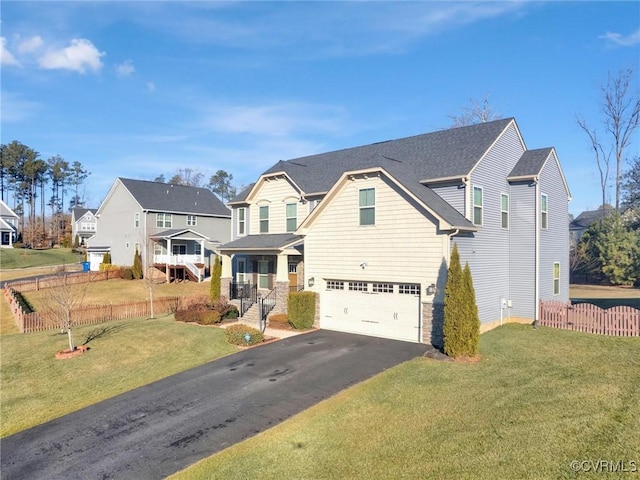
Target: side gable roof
{"points": [[5, 211], [441, 154], [163, 197], [530, 166]]}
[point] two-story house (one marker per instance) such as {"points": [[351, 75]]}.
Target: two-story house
{"points": [[8, 225], [370, 229], [83, 224], [174, 227]]}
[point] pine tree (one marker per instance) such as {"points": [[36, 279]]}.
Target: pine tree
{"points": [[453, 304], [215, 280]]}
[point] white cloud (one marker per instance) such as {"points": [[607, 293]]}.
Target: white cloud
{"points": [[6, 57], [79, 56], [125, 69], [151, 87], [622, 40], [30, 45]]}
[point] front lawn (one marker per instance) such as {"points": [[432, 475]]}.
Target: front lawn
{"points": [[537, 401], [123, 355], [21, 258]]}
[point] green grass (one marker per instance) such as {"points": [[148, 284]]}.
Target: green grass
{"points": [[538, 400], [36, 387], [13, 258]]}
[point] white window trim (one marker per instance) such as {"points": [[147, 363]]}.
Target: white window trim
{"points": [[136, 220], [287, 217], [556, 278], [474, 206], [507, 211], [192, 221], [544, 213], [242, 221], [372, 207], [260, 219]]}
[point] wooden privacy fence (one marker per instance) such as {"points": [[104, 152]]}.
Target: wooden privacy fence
{"points": [[621, 321]]}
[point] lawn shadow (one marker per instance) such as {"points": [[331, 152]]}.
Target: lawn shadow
{"points": [[102, 332]]}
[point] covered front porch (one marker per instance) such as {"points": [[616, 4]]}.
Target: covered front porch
{"points": [[269, 265], [180, 254]]}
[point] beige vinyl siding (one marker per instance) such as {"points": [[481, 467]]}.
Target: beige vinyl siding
{"points": [[275, 194], [402, 246]]}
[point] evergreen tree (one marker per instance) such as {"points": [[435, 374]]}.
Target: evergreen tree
{"points": [[453, 306], [137, 266], [471, 318], [215, 280]]}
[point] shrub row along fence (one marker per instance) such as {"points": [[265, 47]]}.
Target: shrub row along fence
{"points": [[66, 278], [621, 321], [88, 314]]}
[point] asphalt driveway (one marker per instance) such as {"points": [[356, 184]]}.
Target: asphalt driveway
{"points": [[158, 429]]}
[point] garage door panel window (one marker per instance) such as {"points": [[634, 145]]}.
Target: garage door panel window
{"points": [[335, 285], [408, 289], [358, 286], [383, 288]]}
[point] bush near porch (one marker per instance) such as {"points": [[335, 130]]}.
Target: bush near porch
{"points": [[302, 309]]}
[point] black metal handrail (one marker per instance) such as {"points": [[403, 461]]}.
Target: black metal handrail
{"points": [[246, 293], [267, 303]]}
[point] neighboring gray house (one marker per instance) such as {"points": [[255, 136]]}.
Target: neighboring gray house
{"points": [[583, 221], [83, 224], [8, 226], [370, 229], [174, 227]]}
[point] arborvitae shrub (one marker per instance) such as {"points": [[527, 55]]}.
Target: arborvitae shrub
{"points": [[137, 265], [453, 307], [236, 335], [215, 279], [106, 258], [302, 309]]}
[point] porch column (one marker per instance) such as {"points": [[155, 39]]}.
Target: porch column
{"points": [[201, 251], [226, 277], [282, 268], [168, 262]]}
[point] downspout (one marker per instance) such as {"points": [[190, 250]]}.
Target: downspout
{"points": [[537, 255]]}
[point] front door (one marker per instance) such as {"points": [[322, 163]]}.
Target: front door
{"points": [[293, 274], [263, 274]]}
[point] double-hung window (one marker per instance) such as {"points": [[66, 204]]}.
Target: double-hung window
{"points": [[136, 220], [504, 210], [367, 206], [191, 220], [477, 205], [163, 220], [292, 217], [544, 211], [264, 219], [556, 278], [241, 220]]}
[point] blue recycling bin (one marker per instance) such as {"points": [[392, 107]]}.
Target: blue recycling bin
{"points": [[85, 266]]}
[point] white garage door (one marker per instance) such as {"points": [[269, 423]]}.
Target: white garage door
{"points": [[387, 310]]}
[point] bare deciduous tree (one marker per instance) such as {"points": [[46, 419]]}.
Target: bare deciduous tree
{"points": [[478, 112], [63, 299], [602, 157], [621, 111]]}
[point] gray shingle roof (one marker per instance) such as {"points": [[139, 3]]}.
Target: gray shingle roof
{"points": [[586, 218], [78, 212], [262, 242], [430, 156], [531, 163], [163, 197]]}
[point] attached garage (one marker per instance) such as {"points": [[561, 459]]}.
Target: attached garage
{"points": [[389, 310]]}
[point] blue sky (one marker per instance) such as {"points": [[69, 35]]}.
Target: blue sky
{"points": [[138, 89]]}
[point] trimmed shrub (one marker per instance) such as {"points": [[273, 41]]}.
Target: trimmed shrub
{"points": [[236, 335], [232, 313], [302, 309], [126, 273], [279, 320], [472, 320], [209, 317]]}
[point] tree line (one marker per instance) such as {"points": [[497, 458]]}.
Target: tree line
{"points": [[219, 183], [33, 187]]}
